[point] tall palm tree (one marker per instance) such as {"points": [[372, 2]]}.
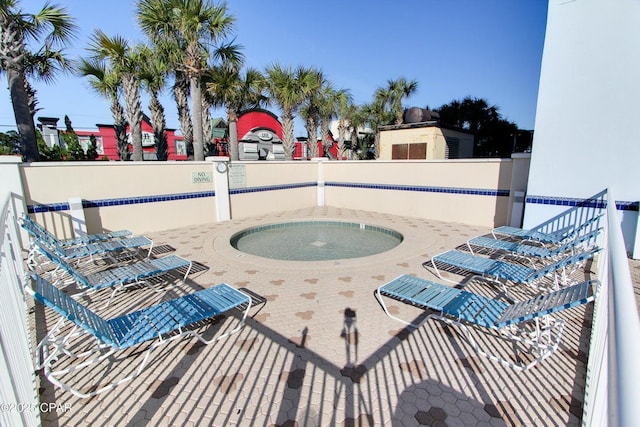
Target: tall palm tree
{"points": [[124, 61], [313, 82], [53, 27], [396, 91], [236, 92], [153, 72], [285, 88], [377, 115], [329, 105], [191, 26], [344, 105], [105, 82]]}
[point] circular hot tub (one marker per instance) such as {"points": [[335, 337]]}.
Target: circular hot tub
{"points": [[315, 240]]}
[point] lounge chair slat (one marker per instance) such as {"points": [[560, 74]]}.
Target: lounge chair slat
{"points": [[516, 273], [66, 306], [420, 292], [102, 247], [469, 308], [162, 323], [118, 275], [35, 228], [553, 237], [546, 304]]}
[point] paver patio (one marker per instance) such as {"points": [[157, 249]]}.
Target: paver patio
{"points": [[320, 351]]}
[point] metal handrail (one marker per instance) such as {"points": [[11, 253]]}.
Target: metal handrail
{"points": [[624, 329]]}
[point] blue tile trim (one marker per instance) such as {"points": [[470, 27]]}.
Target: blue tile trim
{"points": [[53, 207], [574, 202], [120, 201], [271, 188], [422, 189], [49, 207]]}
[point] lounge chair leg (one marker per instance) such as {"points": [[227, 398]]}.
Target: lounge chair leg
{"points": [[234, 330], [378, 296]]}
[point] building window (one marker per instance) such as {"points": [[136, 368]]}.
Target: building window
{"points": [[180, 148], [86, 140]]}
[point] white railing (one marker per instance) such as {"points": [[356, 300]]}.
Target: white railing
{"points": [[612, 392], [18, 395]]}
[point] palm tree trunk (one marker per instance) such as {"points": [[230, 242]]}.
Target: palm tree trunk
{"points": [[120, 127], [341, 134], [159, 124], [22, 114], [354, 141], [131, 91], [287, 131], [312, 137], [181, 95], [196, 109], [233, 134], [324, 134], [207, 129]]}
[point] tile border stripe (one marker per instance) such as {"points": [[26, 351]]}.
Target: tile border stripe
{"points": [[422, 189], [54, 207], [577, 202], [233, 191]]}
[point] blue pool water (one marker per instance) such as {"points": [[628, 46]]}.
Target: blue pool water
{"points": [[315, 240]]}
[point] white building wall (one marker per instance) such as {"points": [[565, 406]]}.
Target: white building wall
{"points": [[587, 130]]}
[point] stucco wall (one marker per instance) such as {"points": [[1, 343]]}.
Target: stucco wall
{"points": [[586, 131], [459, 191], [151, 196], [271, 187], [135, 196]]}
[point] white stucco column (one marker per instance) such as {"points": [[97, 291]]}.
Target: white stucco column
{"points": [[12, 188], [78, 221], [320, 161], [221, 187]]}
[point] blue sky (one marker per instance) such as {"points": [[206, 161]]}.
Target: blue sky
{"points": [[489, 49]]}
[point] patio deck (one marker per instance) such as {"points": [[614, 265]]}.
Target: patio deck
{"points": [[320, 351]]}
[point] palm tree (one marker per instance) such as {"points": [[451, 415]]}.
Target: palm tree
{"points": [[236, 92], [153, 72], [329, 105], [181, 96], [44, 65], [190, 26], [395, 92], [344, 105], [358, 118], [285, 88], [313, 83], [377, 115], [106, 83], [53, 27], [124, 61]]}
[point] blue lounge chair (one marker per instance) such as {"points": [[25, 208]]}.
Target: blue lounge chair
{"points": [[530, 252], [119, 277], [528, 322], [80, 240], [157, 325], [557, 237], [500, 271], [86, 251]]}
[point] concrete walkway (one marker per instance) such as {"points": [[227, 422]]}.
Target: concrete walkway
{"points": [[320, 351]]}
